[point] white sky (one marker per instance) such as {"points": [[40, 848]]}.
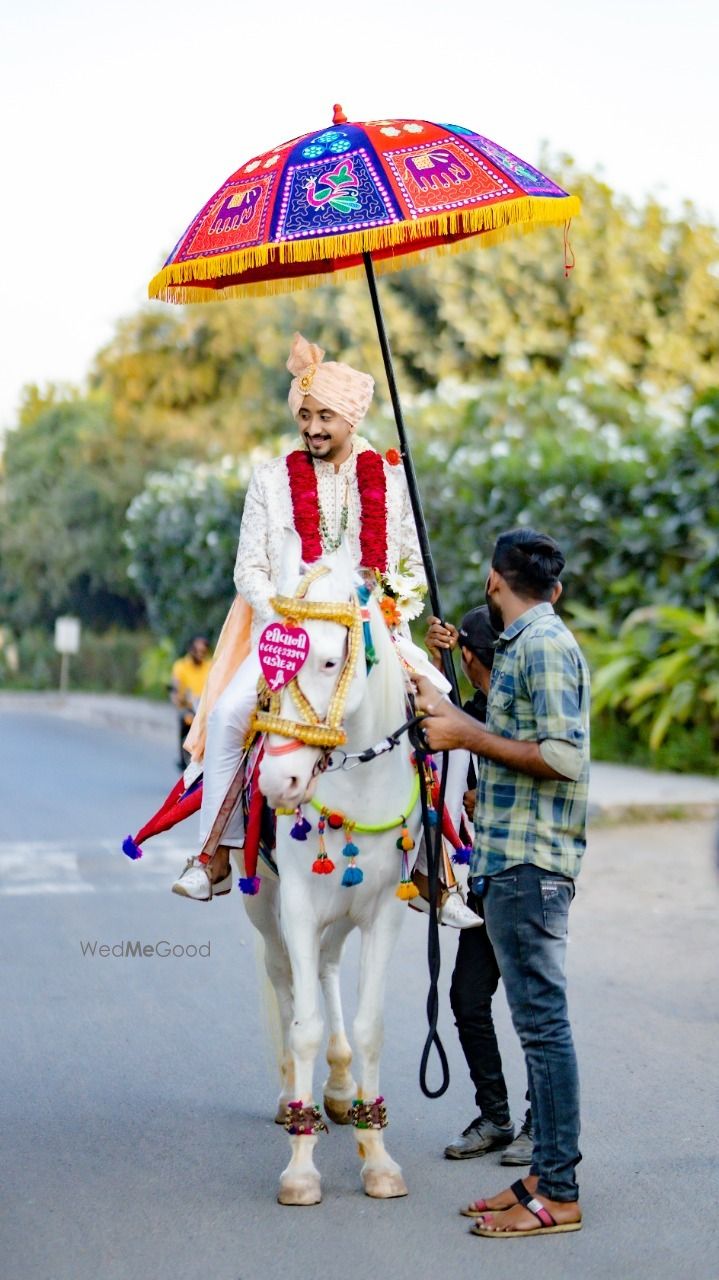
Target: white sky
{"points": [[120, 120]]}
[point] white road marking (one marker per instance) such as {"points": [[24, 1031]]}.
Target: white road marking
{"points": [[38, 866]]}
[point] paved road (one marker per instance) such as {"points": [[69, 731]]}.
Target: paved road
{"points": [[137, 1092]]}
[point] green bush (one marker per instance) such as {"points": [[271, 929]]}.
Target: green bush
{"points": [[182, 533], [687, 749], [659, 673], [107, 663], [633, 502]]}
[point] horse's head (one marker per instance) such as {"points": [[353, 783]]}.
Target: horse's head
{"points": [[307, 716]]}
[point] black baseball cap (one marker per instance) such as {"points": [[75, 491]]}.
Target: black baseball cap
{"points": [[477, 633]]}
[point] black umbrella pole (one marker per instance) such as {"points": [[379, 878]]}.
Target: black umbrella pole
{"points": [[410, 473]]}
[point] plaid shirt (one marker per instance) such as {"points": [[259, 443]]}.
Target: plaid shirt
{"points": [[539, 690]]}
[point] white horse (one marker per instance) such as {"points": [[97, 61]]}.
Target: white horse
{"points": [[305, 917]]}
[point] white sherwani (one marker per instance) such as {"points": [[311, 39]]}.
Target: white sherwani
{"points": [[268, 516]]}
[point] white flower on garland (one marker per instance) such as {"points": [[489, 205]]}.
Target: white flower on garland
{"points": [[407, 592]]}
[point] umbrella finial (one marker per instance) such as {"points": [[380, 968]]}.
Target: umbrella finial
{"points": [[339, 116]]}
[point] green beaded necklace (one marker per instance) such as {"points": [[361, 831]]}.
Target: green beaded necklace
{"points": [[330, 543]]}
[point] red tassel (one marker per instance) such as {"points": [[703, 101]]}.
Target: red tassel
{"points": [[323, 866]]}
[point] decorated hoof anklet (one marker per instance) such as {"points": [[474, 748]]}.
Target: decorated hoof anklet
{"points": [[304, 1120], [369, 1115]]}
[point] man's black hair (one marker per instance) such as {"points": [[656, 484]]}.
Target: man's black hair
{"points": [[529, 562], [199, 636]]}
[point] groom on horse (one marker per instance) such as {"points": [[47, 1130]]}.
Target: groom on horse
{"points": [[335, 490]]}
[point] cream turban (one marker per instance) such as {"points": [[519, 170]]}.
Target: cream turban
{"points": [[340, 387]]}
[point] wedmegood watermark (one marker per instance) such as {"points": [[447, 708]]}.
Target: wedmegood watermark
{"points": [[145, 950]]}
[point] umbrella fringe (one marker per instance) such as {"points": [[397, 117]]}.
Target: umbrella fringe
{"points": [[181, 281]]}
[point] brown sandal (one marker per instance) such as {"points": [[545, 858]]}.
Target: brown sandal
{"points": [[547, 1223], [479, 1207]]}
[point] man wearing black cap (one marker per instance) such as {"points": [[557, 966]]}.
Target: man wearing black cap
{"points": [[476, 973]]}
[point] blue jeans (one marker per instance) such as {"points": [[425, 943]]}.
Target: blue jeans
{"points": [[526, 910]]}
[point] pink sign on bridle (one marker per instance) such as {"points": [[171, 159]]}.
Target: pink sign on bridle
{"points": [[283, 652]]}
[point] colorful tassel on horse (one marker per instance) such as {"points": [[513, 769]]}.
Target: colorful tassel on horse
{"points": [[405, 842], [301, 826], [462, 856], [249, 885], [353, 875], [370, 654], [406, 889], [323, 864]]}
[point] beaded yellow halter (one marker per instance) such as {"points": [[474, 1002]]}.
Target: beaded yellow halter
{"points": [[310, 730]]}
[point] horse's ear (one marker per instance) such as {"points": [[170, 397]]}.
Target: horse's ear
{"points": [[292, 567]]}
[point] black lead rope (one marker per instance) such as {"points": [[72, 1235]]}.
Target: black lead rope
{"points": [[434, 858]]}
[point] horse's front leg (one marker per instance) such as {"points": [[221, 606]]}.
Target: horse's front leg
{"points": [[263, 912], [381, 1175], [339, 1088], [300, 1181]]}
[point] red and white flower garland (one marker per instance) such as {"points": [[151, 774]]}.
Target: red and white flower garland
{"points": [[372, 486]]}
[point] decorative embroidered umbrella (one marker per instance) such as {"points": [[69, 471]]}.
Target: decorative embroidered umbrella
{"points": [[344, 199]]}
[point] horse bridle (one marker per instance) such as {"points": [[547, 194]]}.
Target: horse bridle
{"points": [[311, 730]]}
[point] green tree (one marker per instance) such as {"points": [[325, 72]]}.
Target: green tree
{"points": [[65, 490], [182, 533]]}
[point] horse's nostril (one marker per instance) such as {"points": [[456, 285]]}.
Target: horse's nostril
{"points": [[293, 784]]}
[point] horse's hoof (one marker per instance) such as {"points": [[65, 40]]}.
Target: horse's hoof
{"points": [[338, 1109], [383, 1184], [304, 1190]]}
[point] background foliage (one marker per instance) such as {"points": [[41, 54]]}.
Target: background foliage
{"points": [[587, 407], [182, 533]]}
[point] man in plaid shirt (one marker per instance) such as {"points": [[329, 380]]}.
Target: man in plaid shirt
{"points": [[530, 834]]}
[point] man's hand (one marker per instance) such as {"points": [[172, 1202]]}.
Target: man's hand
{"points": [[440, 635], [446, 726], [469, 801]]}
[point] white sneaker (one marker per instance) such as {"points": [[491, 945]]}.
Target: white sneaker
{"points": [[194, 882], [457, 914], [454, 913]]}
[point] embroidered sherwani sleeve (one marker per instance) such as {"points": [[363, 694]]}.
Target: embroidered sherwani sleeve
{"points": [[409, 551], [253, 578]]}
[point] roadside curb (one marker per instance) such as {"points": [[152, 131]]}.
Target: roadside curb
{"points": [[617, 793], [156, 720]]}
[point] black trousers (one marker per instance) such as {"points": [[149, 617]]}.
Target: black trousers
{"points": [[474, 982]]}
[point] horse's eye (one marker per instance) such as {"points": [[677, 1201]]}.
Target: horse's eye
{"points": [[330, 665]]}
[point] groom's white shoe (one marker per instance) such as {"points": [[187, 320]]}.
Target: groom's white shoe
{"points": [[194, 882], [454, 912]]}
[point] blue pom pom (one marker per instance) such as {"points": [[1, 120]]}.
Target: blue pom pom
{"points": [[131, 849], [249, 885], [461, 857], [350, 850], [352, 875]]}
